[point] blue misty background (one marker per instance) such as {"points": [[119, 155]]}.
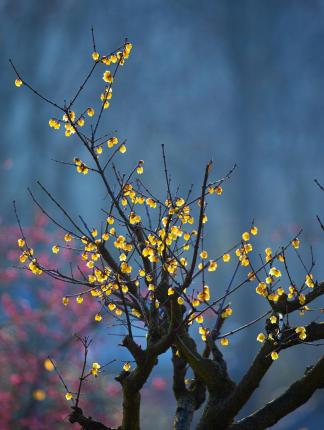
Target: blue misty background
{"points": [[236, 81]]}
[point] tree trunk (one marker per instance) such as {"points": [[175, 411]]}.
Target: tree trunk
{"points": [[131, 410], [184, 413]]}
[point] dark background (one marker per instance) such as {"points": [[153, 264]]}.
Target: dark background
{"points": [[237, 81]]}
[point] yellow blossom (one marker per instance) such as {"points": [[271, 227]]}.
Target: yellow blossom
{"points": [[180, 202], [112, 141], [105, 236], [199, 319], [203, 254], [67, 237], [68, 396], [309, 281], [105, 60], [275, 272], [122, 148], [127, 366], [80, 122], [273, 319], [301, 331], [151, 287], [140, 168], [281, 258], [261, 337], [273, 297], [90, 264], [295, 243], [227, 312], [107, 77], [48, 365], [18, 82], [302, 299], [180, 300], [212, 266], [246, 236], [219, 190], [95, 369], [133, 218], [302, 336], [254, 230], [195, 302], [261, 289], [186, 236], [90, 111], [205, 294], [110, 220], [55, 249], [226, 258], [53, 123], [274, 355], [21, 243], [111, 306]]}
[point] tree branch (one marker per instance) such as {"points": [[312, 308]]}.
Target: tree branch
{"points": [[87, 423], [213, 373], [296, 395], [188, 399], [285, 307]]}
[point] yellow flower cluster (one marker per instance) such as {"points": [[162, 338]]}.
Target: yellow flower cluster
{"points": [[54, 123], [34, 267], [309, 281], [301, 331], [227, 312], [80, 166], [119, 56], [262, 289], [203, 332], [204, 295]]}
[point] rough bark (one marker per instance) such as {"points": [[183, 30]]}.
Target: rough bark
{"points": [[131, 410], [219, 413], [188, 398], [86, 423], [186, 406], [296, 395]]}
